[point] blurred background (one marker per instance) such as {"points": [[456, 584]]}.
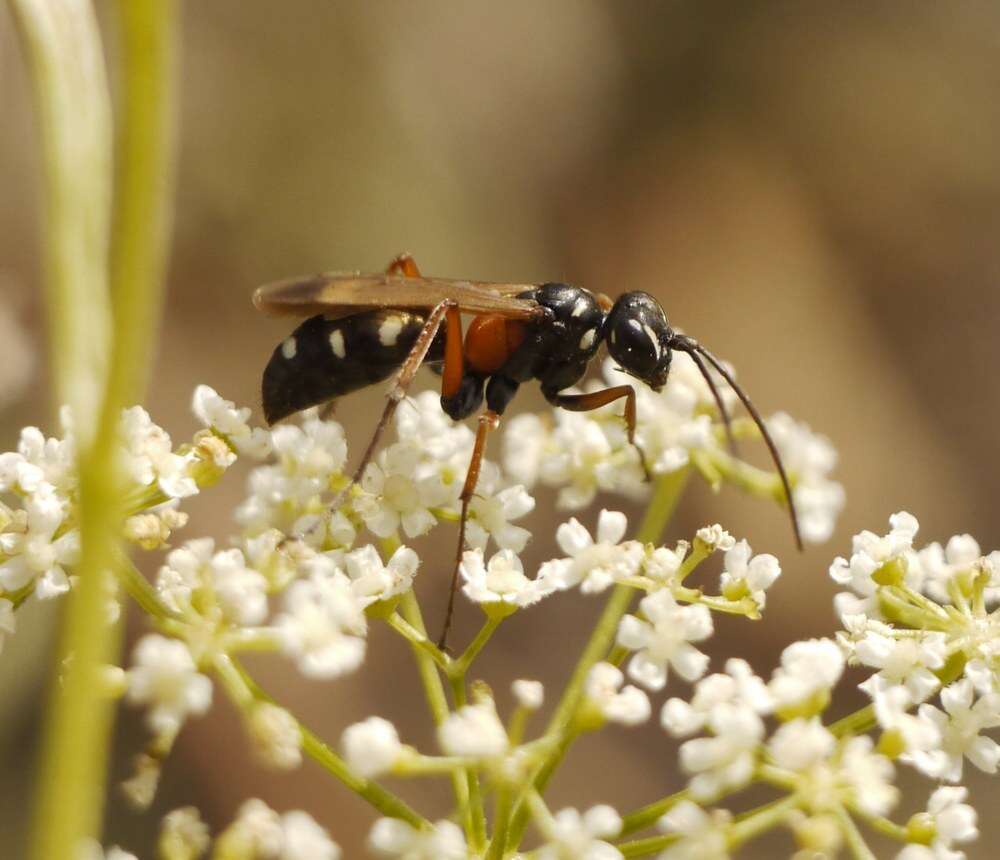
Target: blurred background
{"points": [[812, 189]]}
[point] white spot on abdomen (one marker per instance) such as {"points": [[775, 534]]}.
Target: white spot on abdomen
{"points": [[580, 307], [289, 348], [389, 331], [587, 341], [337, 343]]}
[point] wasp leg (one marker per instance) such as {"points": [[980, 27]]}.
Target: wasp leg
{"points": [[595, 400], [404, 265], [488, 420], [447, 308]]}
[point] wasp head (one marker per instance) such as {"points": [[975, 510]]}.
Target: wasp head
{"points": [[639, 337]]}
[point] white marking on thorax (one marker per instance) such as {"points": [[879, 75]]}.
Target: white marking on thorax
{"points": [[289, 348], [587, 341], [389, 331], [580, 307], [337, 343]]}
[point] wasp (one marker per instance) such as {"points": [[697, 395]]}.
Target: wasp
{"points": [[363, 329]]}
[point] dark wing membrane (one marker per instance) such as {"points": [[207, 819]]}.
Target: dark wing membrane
{"points": [[338, 295]]}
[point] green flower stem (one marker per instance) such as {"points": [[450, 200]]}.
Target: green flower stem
{"points": [[665, 498], [749, 825], [143, 211], [501, 818], [245, 692], [141, 591], [436, 701], [650, 814], [883, 825], [852, 836], [460, 667], [426, 765], [419, 640], [265, 640], [647, 846], [854, 724], [477, 810], [754, 822]]}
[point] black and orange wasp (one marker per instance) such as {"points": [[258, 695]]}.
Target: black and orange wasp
{"points": [[362, 329]]}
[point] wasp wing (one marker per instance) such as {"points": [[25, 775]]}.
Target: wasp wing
{"points": [[338, 295]]}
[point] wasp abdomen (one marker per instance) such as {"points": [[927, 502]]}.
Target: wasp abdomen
{"points": [[327, 358]]}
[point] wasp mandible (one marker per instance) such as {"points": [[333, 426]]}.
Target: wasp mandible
{"points": [[362, 329]]}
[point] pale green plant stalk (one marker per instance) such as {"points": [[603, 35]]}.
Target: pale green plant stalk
{"points": [[63, 48]]}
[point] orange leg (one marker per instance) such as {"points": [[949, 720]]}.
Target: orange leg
{"points": [[597, 399], [404, 265], [488, 421]]}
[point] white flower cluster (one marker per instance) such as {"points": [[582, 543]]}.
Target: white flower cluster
{"points": [[304, 581], [586, 453]]}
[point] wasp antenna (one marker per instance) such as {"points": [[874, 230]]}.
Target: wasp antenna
{"points": [[723, 412], [692, 347]]}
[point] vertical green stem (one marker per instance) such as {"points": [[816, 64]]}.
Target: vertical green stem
{"points": [[436, 700], [665, 498], [95, 367], [143, 205]]}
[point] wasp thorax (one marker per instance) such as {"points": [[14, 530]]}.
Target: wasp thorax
{"points": [[638, 338]]}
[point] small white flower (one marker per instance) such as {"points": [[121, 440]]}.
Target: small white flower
{"points": [[726, 761], [164, 677], [225, 418], [891, 710], [39, 461], [276, 736], [392, 837], [960, 725], [626, 705], [739, 687], [908, 658], [663, 564], [241, 592], [808, 669], [183, 834], [810, 458], [149, 456], [937, 567], [304, 839], [323, 626], [593, 564], [953, 821], [529, 694], [746, 575], [502, 579], [831, 773], [715, 538], [664, 638], [473, 730], [799, 744], [371, 747], [872, 552], [34, 552], [703, 835], [256, 832], [491, 516], [581, 836], [372, 580], [394, 496]]}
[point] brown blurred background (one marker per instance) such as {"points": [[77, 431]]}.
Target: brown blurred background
{"points": [[813, 189]]}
